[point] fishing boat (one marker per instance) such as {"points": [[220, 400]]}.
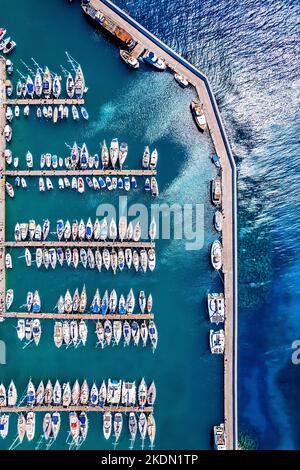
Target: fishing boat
{"points": [[100, 334], [30, 394], [216, 308], [216, 255], [155, 61], [47, 83], [29, 86], [70, 86], [38, 84], [217, 341], [55, 424], [3, 397], [84, 393], [30, 425], [9, 189], [79, 83], [9, 298], [108, 331], [220, 437], [40, 393], [74, 426], [107, 424], [117, 331], [7, 133], [58, 334], [216, 191], [21, 329], [114, 152], [82, 331], [21, 426], [132, 424], [36, 331], [153, 334], [129, 59], [66, 398], [56, 87], [75, 393], [151, 427], [48, 393], [198, 115], [47, 426], [183, 81]]}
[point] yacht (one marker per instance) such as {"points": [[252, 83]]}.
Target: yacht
{"points": [[216, 255], [198, 115], [216, 191], [216, 308], [114, 388], [219, 437], [70, 86], [56, 87], [217, 341], [30, 425], [107, 424], [153, 160], [129, 59], [118, 425], [155, 61], [183, 81]]}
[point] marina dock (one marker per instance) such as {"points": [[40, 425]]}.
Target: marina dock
{"points": [[90, 172], [77, 408], [83, 244], [146, 40], [2, 182], [42, 102], [79, 316]]}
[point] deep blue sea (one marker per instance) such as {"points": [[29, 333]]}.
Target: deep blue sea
{"points": [[249, 51]]}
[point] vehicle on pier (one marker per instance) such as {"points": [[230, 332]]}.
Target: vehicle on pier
{"points": [[198, 115]]}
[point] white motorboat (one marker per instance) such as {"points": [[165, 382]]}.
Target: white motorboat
{"points": [[218, 221], [217, 341], [216, 255], [183, 81], [216, 308]]}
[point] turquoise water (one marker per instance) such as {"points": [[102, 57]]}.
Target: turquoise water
{"points": [[142, 108]]}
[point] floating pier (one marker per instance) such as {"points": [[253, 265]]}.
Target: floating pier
{"points": [[90, 172], [42, 102], [79, 316], [77, 408], [146, 40], [83, 244]]}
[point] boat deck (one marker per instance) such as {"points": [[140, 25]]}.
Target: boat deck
{"points": [[91, 172], [176, 63], [79, 316]]}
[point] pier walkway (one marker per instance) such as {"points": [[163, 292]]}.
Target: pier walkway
{"points": [[91, 172], [79, 316], [77, 408], [2, 182], [83, 244], [176, 63]]}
